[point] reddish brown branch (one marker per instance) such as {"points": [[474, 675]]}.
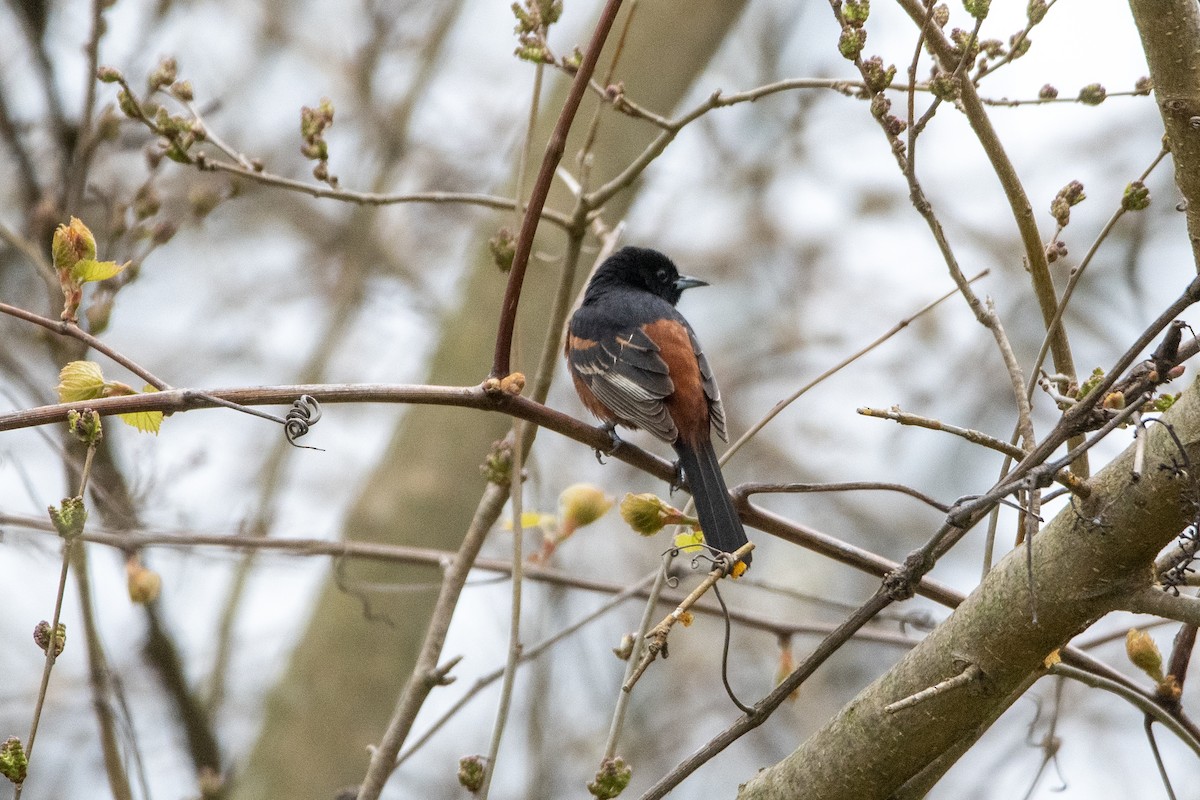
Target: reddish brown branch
{"points": [[541, 189]]}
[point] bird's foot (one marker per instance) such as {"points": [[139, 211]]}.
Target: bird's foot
{"points": [[614, 440], [676, 482]]}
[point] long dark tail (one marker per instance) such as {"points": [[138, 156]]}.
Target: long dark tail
{"points": [[718, 519]]}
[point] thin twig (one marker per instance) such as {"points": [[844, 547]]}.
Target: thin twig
{"points": [[746, 490], [1136, 699], [970, 674], [1077, 274], [617, 724], [541, 189], [763, 709], [75, 332], [658, 637], [973, 436], [527, 655], [845, 362], [1151, 600], [79, 164], [514, 633], [1022, 210], [374, 198], [128, 541], [424, 676]]}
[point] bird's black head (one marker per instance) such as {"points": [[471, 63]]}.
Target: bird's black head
{"points": [[645, 269]]}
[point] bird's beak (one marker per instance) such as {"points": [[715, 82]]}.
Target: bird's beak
{"points": [[688, 282]]}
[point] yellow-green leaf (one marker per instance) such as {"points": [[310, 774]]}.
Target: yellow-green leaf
{"points": [[89, 269], [80, 380], [532, 519], [689, 541], [144, 421]]}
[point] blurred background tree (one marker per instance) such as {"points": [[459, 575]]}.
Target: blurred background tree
{"points": [[269, 675]]}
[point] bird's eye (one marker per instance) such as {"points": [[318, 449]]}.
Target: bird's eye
{"points": [[661, 275]]}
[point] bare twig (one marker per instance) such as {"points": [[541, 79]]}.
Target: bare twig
{"points": [[745, 490], [617, 724], [1077, 274], [1151, 600], [80, 159], [75, 332], [973, 436], [527, 655], [374, 198], [764, 708], [796, 395], [1022, 210], [1143, 703], [658, 637], [130, 541], [424, 676], [541, 189], [969, 674], [514, 633]]}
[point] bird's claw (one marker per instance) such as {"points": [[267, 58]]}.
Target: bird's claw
{"points": [[676, 478], [614, 440]]}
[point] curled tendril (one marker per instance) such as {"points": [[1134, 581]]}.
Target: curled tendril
{"points": [[304, 413], [671, 581]]}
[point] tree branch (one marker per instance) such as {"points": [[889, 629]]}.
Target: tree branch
{"points": [[1169, 31], [1153, 600], [541, 188], [991, 630]]}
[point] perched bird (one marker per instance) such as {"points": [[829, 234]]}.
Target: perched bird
{"points": [[636, 362]]}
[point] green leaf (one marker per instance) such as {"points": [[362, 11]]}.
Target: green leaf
{"points": [[80, 380], [89, 269], [144, 421]]}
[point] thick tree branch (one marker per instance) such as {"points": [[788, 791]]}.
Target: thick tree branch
{"points": [[866, 752]]}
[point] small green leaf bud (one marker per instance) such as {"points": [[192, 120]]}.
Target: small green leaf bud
{"points": [[503, 247], [13, 763], [1092, 95], [163, 74], [856, 12], [69, 518], [1144, 653], [977, 8], [1136, 197], [611, 779], [877, 77], [182, 90], [42, 637], [471, 771], [851, 42]]}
